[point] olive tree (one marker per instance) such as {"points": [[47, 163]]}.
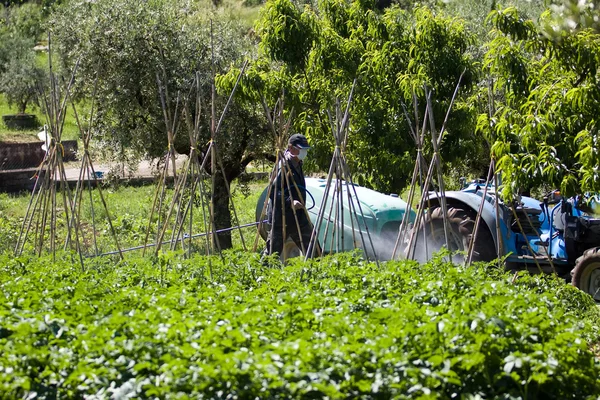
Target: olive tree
{"points": [[20, 72], [125, 47]]}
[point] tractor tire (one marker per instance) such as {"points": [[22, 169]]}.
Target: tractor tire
{"points": [[461, 226], [586, 274]]}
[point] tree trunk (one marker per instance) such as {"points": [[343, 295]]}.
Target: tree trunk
{"points": [[222, 212], [22, 106]]}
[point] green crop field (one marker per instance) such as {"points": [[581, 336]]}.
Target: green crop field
{"points": [[167, 326], [334, 328]]}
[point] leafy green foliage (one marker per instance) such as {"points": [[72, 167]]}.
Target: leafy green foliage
{"points": [[545, 124], [287, 33], [340, 328], [313, 55], [20, 27], [9, 226]]}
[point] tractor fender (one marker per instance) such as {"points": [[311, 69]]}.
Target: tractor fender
{"points": [[469, 201]]}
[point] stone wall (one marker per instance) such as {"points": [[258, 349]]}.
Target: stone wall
{"points": [[30, 155], [17, 180]]}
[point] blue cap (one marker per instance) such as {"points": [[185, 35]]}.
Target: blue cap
{"points": [[299, 140]]}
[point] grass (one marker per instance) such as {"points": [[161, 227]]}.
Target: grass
{"points": [[129, 209], [70, 129]]}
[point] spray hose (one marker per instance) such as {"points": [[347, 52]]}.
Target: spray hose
{"points": [[189, 237], [185, 237]]}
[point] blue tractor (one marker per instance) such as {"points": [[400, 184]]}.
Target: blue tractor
{"points": [[555, 235]]}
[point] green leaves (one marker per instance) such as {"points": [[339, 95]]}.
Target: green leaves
{"points": [[315, 54], [510, 22], [20, 72], [287, 34], [338, 327], [548, 96]]}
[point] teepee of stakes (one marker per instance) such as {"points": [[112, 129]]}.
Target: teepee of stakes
{"points": [[341, 195], [51, 203], [410, 237], [435, 168], [194, 178], [87, 175], [171, 119], [417, 176]]}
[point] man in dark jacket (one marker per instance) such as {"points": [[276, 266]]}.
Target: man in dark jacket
{"points": [[289, 192]]}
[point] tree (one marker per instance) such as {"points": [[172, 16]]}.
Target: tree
{"points": [[124, 47], [545, 126], [571, 16], [19, 70], [314, 55], [474, 12], [27, 20]]}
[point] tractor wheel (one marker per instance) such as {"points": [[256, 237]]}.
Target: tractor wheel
{"points": [[586, 274], [461, 227]]}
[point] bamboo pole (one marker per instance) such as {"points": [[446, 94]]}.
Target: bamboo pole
{"points": [[478, 217], [314, 235], [339, 161], [189, 172], [27, 220], [434, 161], [417, 173], [43, 205], [347, 173], [440, 175]]}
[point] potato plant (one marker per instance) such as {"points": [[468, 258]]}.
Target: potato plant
{"points": [[339, 327]]}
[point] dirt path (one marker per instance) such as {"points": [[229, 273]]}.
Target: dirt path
{"points": [[146, 169]]}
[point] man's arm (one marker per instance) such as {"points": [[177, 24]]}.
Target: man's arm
{"points": [[297, 188]]}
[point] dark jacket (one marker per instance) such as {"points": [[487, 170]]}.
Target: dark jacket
{"points": [[294, 188]]}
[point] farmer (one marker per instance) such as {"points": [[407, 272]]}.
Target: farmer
{"points": [[294, 199]]}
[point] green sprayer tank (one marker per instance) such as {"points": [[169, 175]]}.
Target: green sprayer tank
{"points": [[381, 213]]}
